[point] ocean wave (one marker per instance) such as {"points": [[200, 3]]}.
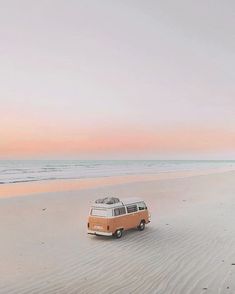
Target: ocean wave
{"points": [[12, 172]]}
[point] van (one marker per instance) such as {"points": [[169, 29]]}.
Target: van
{"points": [[111, 216]]}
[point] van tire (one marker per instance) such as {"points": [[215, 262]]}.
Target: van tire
{"points": [[141, 226], [118, 233]]}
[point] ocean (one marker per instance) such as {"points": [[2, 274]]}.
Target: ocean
{"points": [[16, 171]]}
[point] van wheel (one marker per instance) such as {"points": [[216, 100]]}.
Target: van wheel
{"points": [[118, 233], [141, 226]]}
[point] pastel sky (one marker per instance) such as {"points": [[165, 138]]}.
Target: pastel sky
{"points": [[117, 79]]}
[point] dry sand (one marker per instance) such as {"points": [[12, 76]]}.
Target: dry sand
{"points": [[189, 247]]}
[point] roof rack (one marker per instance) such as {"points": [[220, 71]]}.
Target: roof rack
{"points": [[108, 200]]}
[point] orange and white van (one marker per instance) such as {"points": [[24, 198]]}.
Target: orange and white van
{"points": [[111, 216]]}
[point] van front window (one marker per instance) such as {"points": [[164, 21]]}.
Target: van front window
{"points": [[101, 212], [142, 206]]}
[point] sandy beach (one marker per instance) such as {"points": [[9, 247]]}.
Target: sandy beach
{"points": [[189, 246]]}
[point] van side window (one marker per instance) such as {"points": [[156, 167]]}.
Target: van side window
{"points": [[131, 208], [142, 206], [119, 211]]}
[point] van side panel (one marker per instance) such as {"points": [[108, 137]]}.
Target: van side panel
{"points": [[136, 217], [129, 220], [143, 215], [121, 222]]}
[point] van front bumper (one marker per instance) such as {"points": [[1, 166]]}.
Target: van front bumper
{"points": [[98, 233]]}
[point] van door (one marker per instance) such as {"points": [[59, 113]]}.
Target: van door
{"points": [[143, 212], [132, 216], [119, 219]]}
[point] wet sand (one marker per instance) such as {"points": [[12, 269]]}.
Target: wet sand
{"points": [[189, 246]]}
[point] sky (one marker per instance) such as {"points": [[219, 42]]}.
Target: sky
{"points": [[109, 79]]}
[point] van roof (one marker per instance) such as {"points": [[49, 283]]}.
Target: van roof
{"points": [[131, 200], [123, 201]]}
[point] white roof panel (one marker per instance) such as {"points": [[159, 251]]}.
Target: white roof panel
{"points": [[126, 201], [104, 205]]}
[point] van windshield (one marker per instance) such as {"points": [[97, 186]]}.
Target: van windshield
{"points": [[101, 212]]}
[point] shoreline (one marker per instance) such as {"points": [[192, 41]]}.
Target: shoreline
{"points": [[37, 187]]}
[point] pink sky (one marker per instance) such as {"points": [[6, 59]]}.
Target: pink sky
{"points": [[117, 79]]}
